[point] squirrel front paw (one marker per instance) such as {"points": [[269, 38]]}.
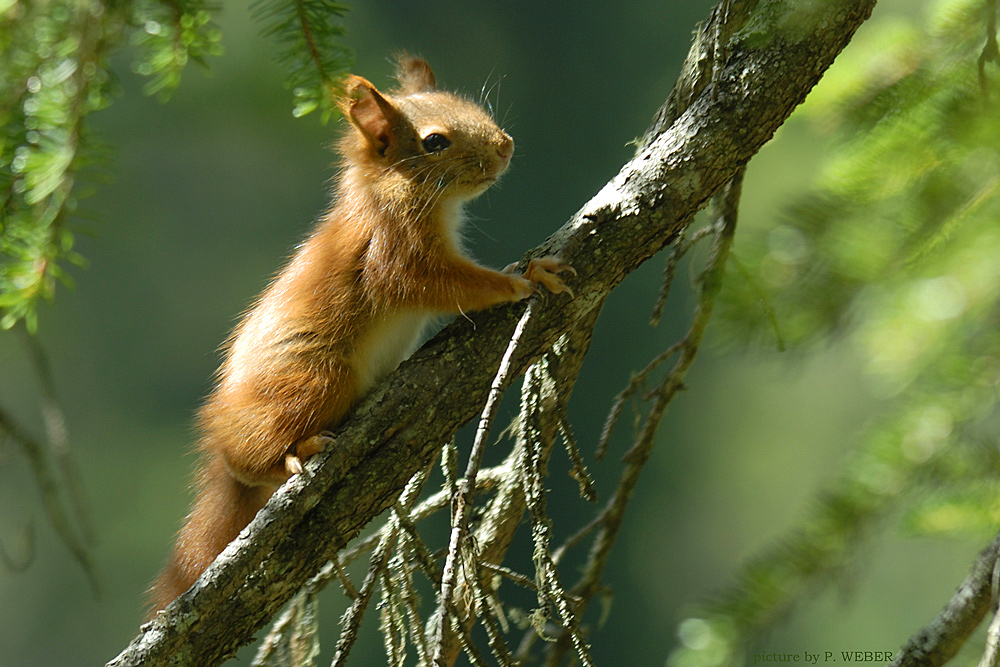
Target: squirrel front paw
{"points": [[545, 271]]}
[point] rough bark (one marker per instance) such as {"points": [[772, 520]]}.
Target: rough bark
{"points": [[941, 639], [776, 53]]}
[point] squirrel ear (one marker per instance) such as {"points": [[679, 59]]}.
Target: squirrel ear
{"points": [[414, 75], [369, 111]]}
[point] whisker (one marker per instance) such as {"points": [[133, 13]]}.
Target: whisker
{"points": [[506, 114], [499, 81], [484, 96], [482, 91]]}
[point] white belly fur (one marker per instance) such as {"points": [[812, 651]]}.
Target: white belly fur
{"points": [[387, 343]]}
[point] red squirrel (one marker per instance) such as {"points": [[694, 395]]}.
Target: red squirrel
{"points": [[351, 303]]}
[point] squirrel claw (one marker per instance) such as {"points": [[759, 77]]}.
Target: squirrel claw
{"points": [[293, 464], [545, 271], [304, 449]]}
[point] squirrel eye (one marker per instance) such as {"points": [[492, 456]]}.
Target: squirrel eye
{"points": [[435, 143]]}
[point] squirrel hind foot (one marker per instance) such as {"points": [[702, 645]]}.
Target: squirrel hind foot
{"points": [[293, 464], [304, 449]]}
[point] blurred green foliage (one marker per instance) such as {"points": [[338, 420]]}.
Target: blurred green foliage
{"points": [[169, 34], [53, 74], [310, 34], [896, 249], [56, 71]]}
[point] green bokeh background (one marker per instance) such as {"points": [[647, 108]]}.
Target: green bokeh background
{"points": [[212, 190]]}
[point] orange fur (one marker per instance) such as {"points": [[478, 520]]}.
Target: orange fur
{"points": [[350, 304]]}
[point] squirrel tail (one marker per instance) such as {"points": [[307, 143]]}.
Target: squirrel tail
{"points": [[222, 508]]}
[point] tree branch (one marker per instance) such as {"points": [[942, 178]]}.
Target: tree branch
{"points": [[399, 427], [939, 641]]}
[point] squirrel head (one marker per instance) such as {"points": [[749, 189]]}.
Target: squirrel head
{"points": [[419, 142]]}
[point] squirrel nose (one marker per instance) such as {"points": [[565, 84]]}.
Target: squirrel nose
{"points": [[505, 149]]}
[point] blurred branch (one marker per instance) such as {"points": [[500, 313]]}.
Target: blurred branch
{"points": [[27, 547], [48, 487], [54, 471], [55, 429], [940, 640], [990, 53], [400, 426]]}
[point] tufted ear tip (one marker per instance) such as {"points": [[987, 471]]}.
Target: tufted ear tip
{"points": [[414, 74]]}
